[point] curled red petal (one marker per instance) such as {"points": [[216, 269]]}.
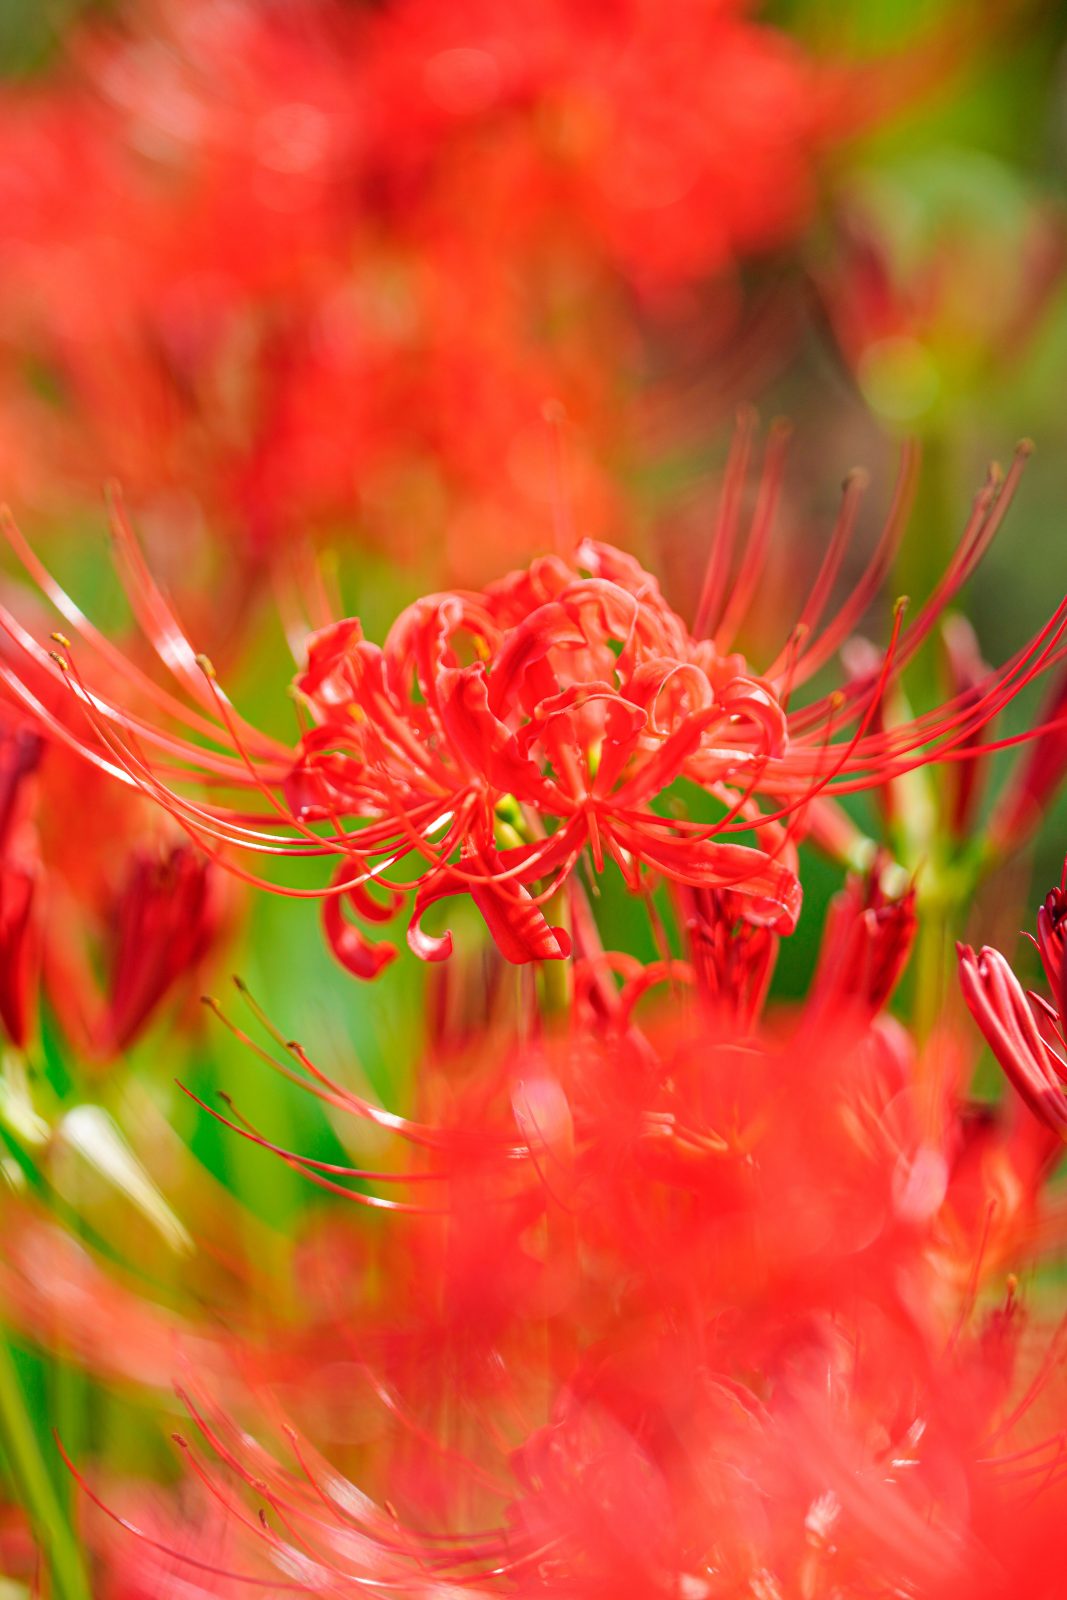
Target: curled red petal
{"points": [[526, 648], [328, 678], [485, 743], [773, 891], [356, 953], [518, 926]]}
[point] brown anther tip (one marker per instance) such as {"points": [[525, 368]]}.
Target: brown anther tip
{"points": [[239, 983], [225, 1096], [263, 1517], [206, 666], [209, 1001], [294, 1044], [180, 1440], [61, 639], [61, 661]]}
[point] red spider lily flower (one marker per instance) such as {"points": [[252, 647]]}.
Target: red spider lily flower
{"points": [[732, 958], [277, 287], [1025, 1032], [582, 711], [1051, 920], [867, 941], [669, 1316], [107, 894], [498, 737], [160, 923], [272, 294], [1017, 1033]]}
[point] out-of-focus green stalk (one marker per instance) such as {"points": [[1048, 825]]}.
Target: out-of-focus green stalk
{"points": [[34, 1487], [943, 888], [924, 554], [555, 979]]}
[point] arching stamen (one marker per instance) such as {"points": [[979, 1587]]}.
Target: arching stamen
{"points": [[724, 535]]}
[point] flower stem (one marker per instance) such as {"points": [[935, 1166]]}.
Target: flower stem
{"points": [[555, 979]]}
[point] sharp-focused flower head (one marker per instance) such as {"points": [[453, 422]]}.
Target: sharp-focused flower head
{"points": [[501, 737]]}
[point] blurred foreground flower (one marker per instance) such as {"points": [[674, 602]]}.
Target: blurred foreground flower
{"points": [[677, 1308]]}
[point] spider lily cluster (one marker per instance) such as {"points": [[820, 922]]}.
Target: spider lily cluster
{"points": [[672, 1294], [649, 1258]]}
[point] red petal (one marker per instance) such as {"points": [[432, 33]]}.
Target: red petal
{"points": [[352, 948], [773, 890], [515, 920], [485, 743]]}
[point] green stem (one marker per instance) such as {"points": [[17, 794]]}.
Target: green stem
{"points": [[925, 552], [944, 884], [35, 1488], [555, 979], [931, 961], [946, 892]]}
